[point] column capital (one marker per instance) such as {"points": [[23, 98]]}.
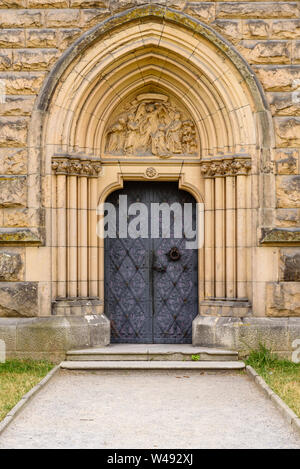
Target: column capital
{"points": [[70, 165], [227, 166]]}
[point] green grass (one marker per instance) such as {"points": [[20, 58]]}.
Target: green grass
{"points": [[283, 376], [17, 377]]}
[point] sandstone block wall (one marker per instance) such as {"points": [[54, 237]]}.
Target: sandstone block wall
{"points": [[35, 33]]}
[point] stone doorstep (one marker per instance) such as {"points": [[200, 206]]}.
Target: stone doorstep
{"points": [[153, 365], [151, 352]]}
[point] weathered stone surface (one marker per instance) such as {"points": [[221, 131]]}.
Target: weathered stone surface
{"points": [[288, 191], [280, 236], [12, 38], [283, 299], [120, 5], [5, 59], [48, 3], [13, 161], [12, 3], [41, 38], [290, 265], [14, 218], [287, 161], [242, 334], [286, 29], [12, 191], [266, 51], [15, 236], [22, 82], [279, 78], [18, 299], [204, 11], [34, 59], [287, 131], [17, 105], [10, 266], [67, 36], [13, 131], [93, 16], [296, 52], [285, 104], [287, 217], [256, 29], [231, 29], [62, 18], [89, 3], [21, 18], [258, 10]]}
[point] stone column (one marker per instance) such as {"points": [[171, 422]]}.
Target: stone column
{"points": [[220, 237], [72, 236], [230, 237], [61, 236], [209, 253], [241, 237], [75, 269], [82, 237], [93, 239]]}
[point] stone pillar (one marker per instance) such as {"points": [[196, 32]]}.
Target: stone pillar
{"points": [[61, 236], [209, 251], [227, 227], [241, 237], [93, 239], [82, 238], [72, 236], [230, 237], [75, 269], [220, 237]]}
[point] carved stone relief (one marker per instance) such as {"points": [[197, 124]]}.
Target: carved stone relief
{"points": [[152, 125]]}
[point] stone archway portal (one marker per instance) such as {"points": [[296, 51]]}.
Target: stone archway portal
{"points": [[167, 101]]}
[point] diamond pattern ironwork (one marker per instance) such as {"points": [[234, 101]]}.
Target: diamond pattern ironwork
{"points": [[148, 305]]}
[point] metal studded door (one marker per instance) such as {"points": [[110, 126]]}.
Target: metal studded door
{"points": [[151, 283]]}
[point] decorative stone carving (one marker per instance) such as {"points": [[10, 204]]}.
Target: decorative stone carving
{"points": [[152, 125], [76, 166], [151, 172], [225, 167]]}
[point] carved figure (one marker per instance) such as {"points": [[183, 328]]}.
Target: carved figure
{"points": [[151, 125]]}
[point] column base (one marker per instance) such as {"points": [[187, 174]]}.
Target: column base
{"points": [[222, 307], [247, 333], [76, 306]]}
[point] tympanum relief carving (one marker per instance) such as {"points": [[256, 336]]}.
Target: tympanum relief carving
{"points": [[151, 125]]}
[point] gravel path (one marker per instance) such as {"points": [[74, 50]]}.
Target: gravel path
{"points": [[137, 409]]}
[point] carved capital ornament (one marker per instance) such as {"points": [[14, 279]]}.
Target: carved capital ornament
{"points": [[76, 166], [225, 167]]}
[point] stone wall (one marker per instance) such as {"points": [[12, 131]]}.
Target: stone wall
{"points": [[34, 35]]}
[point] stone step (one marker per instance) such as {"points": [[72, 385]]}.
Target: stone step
{"points": [[151, 352], [153, 365]]}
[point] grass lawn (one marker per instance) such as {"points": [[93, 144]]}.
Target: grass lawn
{"points": [[283, 376], [17, 377]]}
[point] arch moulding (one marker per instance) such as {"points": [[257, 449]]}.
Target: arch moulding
{"points": [[156, 62]]}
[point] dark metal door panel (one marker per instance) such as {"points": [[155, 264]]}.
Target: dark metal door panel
{"points": [[149, 297]]}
